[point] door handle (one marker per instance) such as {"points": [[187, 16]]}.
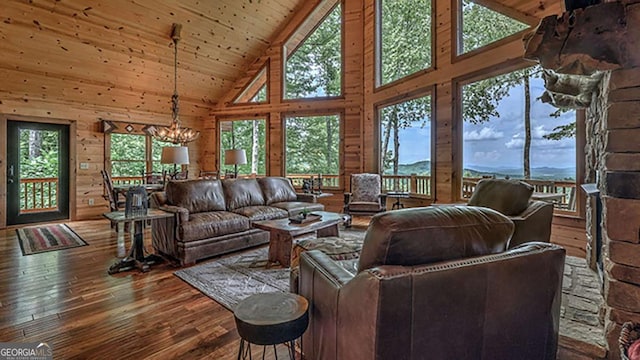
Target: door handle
{"points": [[10, 175]]}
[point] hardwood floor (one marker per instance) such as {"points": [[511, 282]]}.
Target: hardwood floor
{"points": [[67, 299]]}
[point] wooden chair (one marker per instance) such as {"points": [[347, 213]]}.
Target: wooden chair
{"points": [[365, 196], [114, 204]]}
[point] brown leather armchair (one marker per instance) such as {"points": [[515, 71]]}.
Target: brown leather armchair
{"points": [[512, 198], [365, 197], [435, 283]]}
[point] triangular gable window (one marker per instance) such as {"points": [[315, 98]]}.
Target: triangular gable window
{"points": [[314, 55], [256, 92]]}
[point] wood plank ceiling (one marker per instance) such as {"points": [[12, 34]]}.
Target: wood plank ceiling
{"points": [[118, 53]]}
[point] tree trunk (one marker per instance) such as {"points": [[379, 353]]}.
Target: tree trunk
{"points": [[35, 143], [254, 147], [527, 127], [329, 151], [396, 145], [385, 145]]}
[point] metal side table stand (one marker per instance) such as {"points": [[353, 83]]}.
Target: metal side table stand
{"points": [[136, 258]]}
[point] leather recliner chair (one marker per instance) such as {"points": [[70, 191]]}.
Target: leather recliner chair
{"points": [[512, 198], [435, 283]]}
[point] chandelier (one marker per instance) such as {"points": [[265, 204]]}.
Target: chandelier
{"points": [[174, 133]]}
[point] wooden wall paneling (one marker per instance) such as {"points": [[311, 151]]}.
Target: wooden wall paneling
{"points": [[210, 138], [276, 145], [353, 131], [369, 117]]}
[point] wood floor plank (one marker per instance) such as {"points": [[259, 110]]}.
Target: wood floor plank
{"points": [[66, 298]]}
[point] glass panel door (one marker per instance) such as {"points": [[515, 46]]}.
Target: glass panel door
{"points": [[37, 172]]}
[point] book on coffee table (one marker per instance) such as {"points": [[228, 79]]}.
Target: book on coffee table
{"points": [[300, 219]]}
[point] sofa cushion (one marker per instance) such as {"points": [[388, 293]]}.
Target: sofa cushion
{"points": [[296, 207], [364, 206], [509, 197], [211, 224], [196, 195], [416, 236], [261, 212], [239, 193], [277, 189]]}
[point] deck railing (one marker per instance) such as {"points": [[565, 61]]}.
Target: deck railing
{"points": [[127, 180], [38, 194], [418, 185]]}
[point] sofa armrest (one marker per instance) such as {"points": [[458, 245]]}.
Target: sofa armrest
{"points": [[533, 224], [383, 200], [534, 207], [182, 213], [321, 280], [347, 198], [304, 197]]}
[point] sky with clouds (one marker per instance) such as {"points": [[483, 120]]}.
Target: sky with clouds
{"points": [[499, 143]]}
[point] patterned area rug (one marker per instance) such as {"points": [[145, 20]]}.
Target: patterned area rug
{"points": [[231, 279], [34, 240]]}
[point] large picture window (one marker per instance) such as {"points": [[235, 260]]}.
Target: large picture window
{"points": [[133, 155], [508, 132], [128, 155], [405, 146], [313, 148], [404, 38], [248, 135]]}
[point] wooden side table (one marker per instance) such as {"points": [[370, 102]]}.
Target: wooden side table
{"points": [[270, 319], [136, 258]]}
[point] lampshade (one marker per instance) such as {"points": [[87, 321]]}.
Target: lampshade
{"points": [[178, 155], [235, 157]]}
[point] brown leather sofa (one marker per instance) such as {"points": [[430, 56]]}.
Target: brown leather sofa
{"points": [[435, 283], [213, 217], [532, 218]]}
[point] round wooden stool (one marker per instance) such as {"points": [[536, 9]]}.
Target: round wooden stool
{"points": [[270, 319]]}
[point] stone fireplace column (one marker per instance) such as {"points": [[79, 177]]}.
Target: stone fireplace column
{"points": [[576, 48], [618, 168]]}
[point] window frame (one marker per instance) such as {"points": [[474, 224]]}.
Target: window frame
{"points": [[428, 91], [341, 165], [458, 133]]}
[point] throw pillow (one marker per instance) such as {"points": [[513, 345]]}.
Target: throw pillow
{"points": [[634, 350], [277, 189]]}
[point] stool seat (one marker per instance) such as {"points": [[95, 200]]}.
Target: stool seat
{"points": [[272, 318]]}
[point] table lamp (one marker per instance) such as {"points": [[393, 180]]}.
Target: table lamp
{"points": [[235, 157], [176, 155]]}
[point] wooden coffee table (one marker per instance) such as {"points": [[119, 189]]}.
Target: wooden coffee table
{"points": [[283, 232]]}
